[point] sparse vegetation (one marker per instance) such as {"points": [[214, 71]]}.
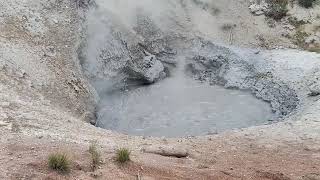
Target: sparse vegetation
{"points": [[95, 155], [299, 38], [207, 7], [314, 49], [295, 22], [123, 155], [278, 9], [306, 3], [228, 27], [59, 162]]}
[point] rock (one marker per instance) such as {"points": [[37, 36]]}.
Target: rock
{"points": [[89, 117], [178, 152], [85, 4], [312, 176], [314, 90], [55, 21], [313, 148], [313, 39], [258, 8], [5, 104], [96, 174], [289, 27], [128, 57], [314, 84], [4, 124], [272, 175], [3, 116], [149, 69], [49, 51]]}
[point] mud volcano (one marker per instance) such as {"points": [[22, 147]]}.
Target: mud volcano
{"points": [[156, 78]]}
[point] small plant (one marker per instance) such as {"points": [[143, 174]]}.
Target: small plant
{"points": [[278, 9], [95, 155], [306, 3], [296, 23], [123, 155], [228, 27], [59, 162], [299, 38]]}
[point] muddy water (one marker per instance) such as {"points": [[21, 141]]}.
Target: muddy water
{"points": [[180, 106]]}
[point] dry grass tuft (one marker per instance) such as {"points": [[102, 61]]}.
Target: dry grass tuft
{"points": [[123, 155], [95, 155], [59, 162]]}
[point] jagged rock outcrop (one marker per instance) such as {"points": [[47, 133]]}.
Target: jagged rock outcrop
{"points": [[258, 7], [119, 52], [220, 65]]}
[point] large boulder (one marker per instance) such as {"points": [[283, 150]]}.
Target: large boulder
{"points": [[258, 8], [166, 150], [148, 70], [115, 52]]}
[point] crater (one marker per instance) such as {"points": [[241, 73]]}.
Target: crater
{"points": [[207, 90], [155, 79], [180, 106]]}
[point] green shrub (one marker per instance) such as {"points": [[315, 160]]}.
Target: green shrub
{"points": [[278, 9], [123, 155], [299, 38], [306, 3], [295, 22], [59, 162], [95, 155]]}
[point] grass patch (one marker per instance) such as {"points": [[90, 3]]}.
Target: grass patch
{"points": [[296, 23], [306, 3], [95, 155], [59, 162], [299, 38], [123, 155], [278, 9], [228, 27]]}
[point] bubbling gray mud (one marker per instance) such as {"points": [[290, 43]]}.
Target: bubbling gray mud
{"points": [[180, 106]]}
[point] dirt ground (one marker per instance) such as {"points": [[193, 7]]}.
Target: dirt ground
{"points": [[26, 158]]}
